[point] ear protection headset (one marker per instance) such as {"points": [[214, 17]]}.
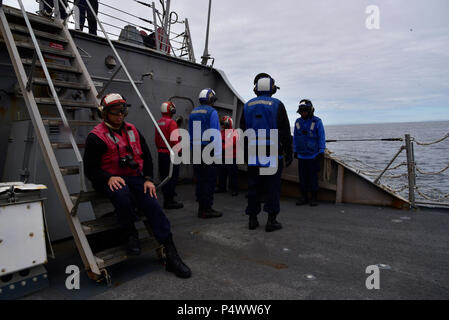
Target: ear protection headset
{"points": [[168, 107], [263, 82], [306, 105], [226, 122]]}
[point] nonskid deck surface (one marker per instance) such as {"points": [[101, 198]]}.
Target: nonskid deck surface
{"points": [[333, 243]]}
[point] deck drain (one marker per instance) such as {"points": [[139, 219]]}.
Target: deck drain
{"points": [[396, 220], [383, 266], [309, 277]]}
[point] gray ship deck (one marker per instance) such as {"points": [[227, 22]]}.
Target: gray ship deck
{"points": [[334, 243]]}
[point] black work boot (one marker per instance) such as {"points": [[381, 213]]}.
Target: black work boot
{"points": [[172, 204], [253, 222], [173, 262], [313, 200], [303, 200], [272, 224], [220, 190], [132, 240], [208, 212], [133, 245], [211, 213]]}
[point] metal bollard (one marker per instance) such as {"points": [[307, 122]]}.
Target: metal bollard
{"points": [[410, 170]]}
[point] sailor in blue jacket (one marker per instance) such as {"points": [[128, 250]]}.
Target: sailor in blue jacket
{"points": [[309, 144], [206, 174], [262, 114]]}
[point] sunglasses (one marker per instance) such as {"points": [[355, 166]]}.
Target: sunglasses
{"points": [[117, 112]]}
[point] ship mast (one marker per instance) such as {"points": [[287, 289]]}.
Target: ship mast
{"points": [[206, 55]]}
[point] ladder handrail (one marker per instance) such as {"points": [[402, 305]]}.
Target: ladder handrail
{"points": [[47, 151], [55, 96], [131, 80]]}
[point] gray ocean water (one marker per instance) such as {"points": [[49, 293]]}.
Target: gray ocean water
{"points": [[372, 156]]}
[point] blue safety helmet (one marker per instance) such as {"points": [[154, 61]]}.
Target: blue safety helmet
{"points": [[264, 84], [207, 96]]}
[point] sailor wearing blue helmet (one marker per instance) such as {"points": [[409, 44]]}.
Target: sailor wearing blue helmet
{"points": [[206, 174], [309, 143]]}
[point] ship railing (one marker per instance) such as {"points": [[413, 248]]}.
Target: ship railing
{"points": [[422, 194], [177, 44]]}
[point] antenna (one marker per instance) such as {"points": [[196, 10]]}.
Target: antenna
{"points": [[206, 55]]}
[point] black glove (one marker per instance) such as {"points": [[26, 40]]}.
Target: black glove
{"points": [[295, 155], [288, 159]]}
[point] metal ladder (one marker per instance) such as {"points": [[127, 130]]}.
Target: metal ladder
{"points": [[23, 34]]}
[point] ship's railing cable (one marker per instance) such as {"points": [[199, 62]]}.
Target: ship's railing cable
{"points": [[430, 143], [432, 198], [352, 140], [414, 174], [432, 173]]}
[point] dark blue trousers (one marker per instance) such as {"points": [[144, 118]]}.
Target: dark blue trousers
{"points": [[308, 174], [84, 9], [49, 5], [264, 188], [206, 175], [168, 189], [132, 196], [231, 171]]}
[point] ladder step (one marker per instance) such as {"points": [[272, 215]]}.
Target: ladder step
{"points": [[74, 123], [86, 196], [67, 103], [59, 145], [100, 225], [105, 223], [69, 170], [65, 84], [40, 34], [53, 66], [34, 18], [30, 45], [115, 255]]}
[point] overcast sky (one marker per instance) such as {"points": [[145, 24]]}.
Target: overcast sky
{"points": [[322, 50]]}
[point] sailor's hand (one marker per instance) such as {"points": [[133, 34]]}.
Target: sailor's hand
{"points": [[116, 183], [148, 185]]}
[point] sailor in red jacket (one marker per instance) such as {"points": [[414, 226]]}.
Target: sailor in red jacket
{"points": [[168, 127], [118, 163], [229, 167]]}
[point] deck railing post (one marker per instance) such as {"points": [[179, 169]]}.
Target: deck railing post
{"points": [[410, 170]]}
